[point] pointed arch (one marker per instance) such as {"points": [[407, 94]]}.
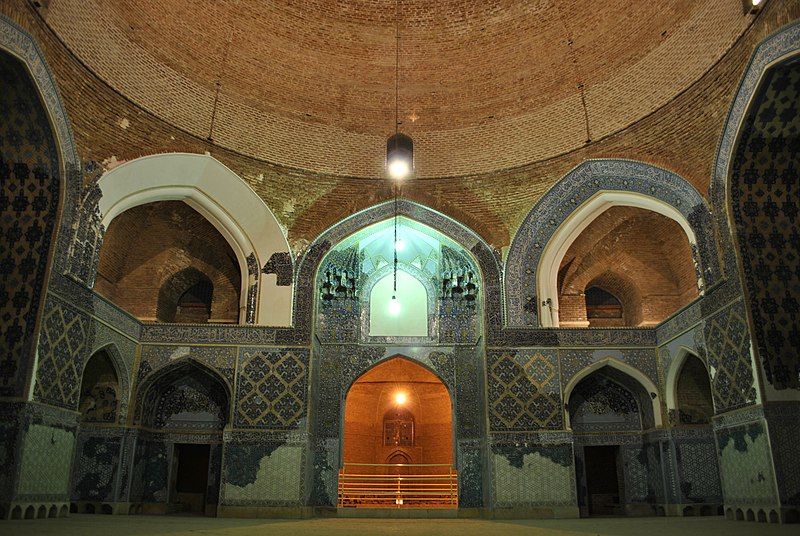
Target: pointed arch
{"points": [[671, 385], [144, 392], [227, 202], [572, 203], [637, 375], [121, 370], [485, 258], [53, 176]]}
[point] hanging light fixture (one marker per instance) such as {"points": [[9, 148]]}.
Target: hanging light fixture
{"points": [[399, 147]]}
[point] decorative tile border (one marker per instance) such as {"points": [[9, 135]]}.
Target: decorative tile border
{"points": [[579, 185]]}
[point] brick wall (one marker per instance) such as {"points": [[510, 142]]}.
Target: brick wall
{"points": [[680, 135], [146, 246]]}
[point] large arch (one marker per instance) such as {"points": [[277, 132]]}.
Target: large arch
{"points": [[486, 259], [574, 225], [225, 200], [58, 180], [646, 383], [609, 181], [754, 191]]}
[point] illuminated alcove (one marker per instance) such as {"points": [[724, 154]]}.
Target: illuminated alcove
{"points": [[436, 277], [398, 410], [400, 313]]}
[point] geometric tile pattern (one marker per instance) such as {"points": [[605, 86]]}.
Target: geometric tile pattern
{"points": [[765, 205], [537, 481], [271, 388], [699, 471], [524, 393], [62, 345], [29, 196], [576, 187], [728, 358]]}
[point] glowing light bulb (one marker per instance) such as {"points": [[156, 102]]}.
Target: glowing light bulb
{"points": [[400, 398], [394, 306], [399, 168], [400, 245]]}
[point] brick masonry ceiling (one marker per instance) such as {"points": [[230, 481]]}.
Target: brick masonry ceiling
{"points": [[485, 84]]}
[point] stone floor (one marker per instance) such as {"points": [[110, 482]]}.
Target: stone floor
{"points": [[91, 525]]}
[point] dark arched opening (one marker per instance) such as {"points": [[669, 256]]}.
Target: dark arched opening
{"points": [[183, 400]]}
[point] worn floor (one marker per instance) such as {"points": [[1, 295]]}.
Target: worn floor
{"points": [[91, 525]]}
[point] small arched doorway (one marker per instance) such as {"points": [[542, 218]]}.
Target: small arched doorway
{"points": [[398, 440], [185, 409], [608, 410]]}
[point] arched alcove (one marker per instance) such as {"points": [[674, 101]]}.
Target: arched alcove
{"points": [[643, 256], [185, 395], [398, 421], [607, 407], [688, 389], [31, 189], [186, 296], [232, 208], [763, 201], [402, 312], [153, 254], [100, 389], [184, 406], [695, 404]]}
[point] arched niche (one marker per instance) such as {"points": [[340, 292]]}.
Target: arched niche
{"points": [[437, 276], [312, 261], [226, 201], [101, 393], [762, 203], [694, 377], [398, 389], [38, 171], [577, 199], [184, 395], [649, 401], [153, 254], [398, 312], [576, 223]]}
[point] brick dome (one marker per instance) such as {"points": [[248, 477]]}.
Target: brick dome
{"points": [[485, 84]]}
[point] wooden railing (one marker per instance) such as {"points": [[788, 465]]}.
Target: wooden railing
{"points": [[398, 485]]}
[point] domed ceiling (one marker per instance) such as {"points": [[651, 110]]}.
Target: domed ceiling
{"points": [[484, 84]]}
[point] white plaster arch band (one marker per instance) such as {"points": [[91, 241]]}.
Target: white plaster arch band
{"points": [[571, 228], [674, 372], [634, 373], [224, 199], [569, 194]]}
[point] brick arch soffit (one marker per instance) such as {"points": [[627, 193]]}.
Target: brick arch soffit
{"points": [[635, 374], [674, 374], [574, 190], [226, 201], [573, 226], [774, 49], [485, 258], [144, 385], [120, 369]]}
